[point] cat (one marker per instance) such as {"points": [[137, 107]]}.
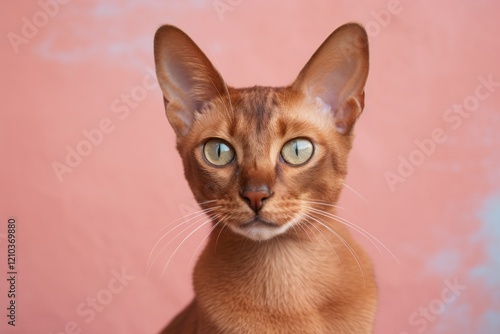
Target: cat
{"points": [[267, 164]]}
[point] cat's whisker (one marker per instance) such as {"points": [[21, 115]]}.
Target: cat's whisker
{"points": [[209, 201], [208, 221], [309, 224], [226, 90], [196, 215], [170, 241], [219, 221], [355, 192], [281, 243], [218, 236], [344, 242], [360, 230], [228, 111], [150, 266], [347, 223], [301, 227], [197, 212], [231, 113], [295, 227], [201, 204], [357, 228], [323, 203]]}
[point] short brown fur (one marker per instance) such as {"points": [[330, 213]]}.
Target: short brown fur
{"points": [[312, 277]]}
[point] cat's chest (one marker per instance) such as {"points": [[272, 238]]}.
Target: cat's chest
{"points": [[279, 283]]}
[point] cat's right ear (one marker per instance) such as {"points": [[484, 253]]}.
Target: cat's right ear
{"points": [[335, 75], [186, 76]]}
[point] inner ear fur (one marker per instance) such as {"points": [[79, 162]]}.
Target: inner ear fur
{"points": [[336, 74], [186, 77]]}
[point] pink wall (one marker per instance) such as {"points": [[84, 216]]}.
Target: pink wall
{"points": [[88, 66]]}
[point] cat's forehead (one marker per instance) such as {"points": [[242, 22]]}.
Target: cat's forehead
{"points": [[258, 105], [261, 115], [276, 111]]}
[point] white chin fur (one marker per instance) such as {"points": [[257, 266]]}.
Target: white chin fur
{"points": [[262, 232]]}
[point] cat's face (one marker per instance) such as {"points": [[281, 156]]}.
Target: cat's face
{"points": [[260, 160], [275, 142]]}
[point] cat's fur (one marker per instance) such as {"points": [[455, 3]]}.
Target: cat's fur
{"points": [[294, 269]]}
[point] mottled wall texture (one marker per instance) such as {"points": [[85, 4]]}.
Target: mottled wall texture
{"points": [[90, 177]]}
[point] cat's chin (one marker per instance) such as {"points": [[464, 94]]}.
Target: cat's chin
{"points": [[260, 230]]}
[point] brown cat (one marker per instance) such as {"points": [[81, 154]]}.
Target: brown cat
{"points": [[268, 164]]}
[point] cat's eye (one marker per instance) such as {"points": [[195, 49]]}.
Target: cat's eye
{"points": [[297, 151], [218, 152]]}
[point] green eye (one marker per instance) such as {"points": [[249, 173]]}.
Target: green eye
{"points": [[218, 152], [297, 151]]}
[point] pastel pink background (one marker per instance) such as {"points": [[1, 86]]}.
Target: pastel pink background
{"points": [[442, 223]]}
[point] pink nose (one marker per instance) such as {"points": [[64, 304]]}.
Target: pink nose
{"points": [[255, 197]]}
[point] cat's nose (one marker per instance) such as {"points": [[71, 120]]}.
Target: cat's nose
{"points": [[255, 196]]}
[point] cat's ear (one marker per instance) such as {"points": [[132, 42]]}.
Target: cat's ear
{"points": [[186, 76], [335, 75]]}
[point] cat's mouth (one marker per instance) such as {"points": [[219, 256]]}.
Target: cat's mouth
{"points": [[258, 222], [259, 229]]}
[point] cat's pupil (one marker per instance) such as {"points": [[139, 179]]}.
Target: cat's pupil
{"points": [[217, 152], [297, 151]]}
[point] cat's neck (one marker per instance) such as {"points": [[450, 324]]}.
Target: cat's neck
{"points": [[292, 275], [301, 248]]}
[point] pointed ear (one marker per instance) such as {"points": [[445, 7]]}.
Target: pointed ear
{"points": [[335, 75], [186, 76]]}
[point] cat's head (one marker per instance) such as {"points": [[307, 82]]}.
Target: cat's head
{"points": [[262, 159]]}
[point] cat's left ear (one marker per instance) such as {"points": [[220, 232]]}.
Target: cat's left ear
{"points": [[336, 74], [187, 78]]}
